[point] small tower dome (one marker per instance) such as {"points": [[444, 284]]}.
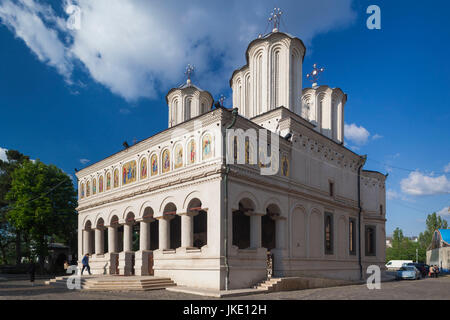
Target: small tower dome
{"points": [[187, 101]]}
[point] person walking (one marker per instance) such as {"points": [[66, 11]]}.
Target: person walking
{"points": [[32, 272], [85, 262]]}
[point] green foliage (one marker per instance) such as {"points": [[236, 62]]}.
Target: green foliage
{"points": [[44, 204], [433, 222], [405, 249], [10, 238]]}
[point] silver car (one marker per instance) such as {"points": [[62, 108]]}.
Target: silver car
{"points": [[408, 272]]}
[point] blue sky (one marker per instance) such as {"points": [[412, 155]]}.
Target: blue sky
{"points": [[71, 97]]}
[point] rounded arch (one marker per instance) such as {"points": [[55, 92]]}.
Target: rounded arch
{"points": [[146, 204], [170, 208], [112, 214], [189, 197], [87, 223], [100, 223], [246, 195], [98, 217], [128, 210], [315, 234], [166, 201], [298, 227]]}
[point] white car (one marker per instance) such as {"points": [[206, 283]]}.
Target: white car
{"points": [[396, 264]]}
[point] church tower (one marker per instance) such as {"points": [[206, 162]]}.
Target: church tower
{"points": [[187, 101], [324, 107], [272, 76]]}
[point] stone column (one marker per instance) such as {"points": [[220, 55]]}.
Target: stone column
{"points": [[255, 230], [112, 239], [164, 233], [128, 237], [99, 241], [86, 242], [144, 236], [280, 224], [187, 230]]}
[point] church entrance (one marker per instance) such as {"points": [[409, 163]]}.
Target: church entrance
{"points": [[268, 235]]}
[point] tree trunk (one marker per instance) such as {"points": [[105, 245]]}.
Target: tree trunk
{"points": [[18, 248]]}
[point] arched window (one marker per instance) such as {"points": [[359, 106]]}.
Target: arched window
{"points": [[200, 223], [88, 189], [187, 113], [94, 186], [276, 79], [328, 233]]}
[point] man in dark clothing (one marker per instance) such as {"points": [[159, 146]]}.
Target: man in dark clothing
{"points": [[32, 272], [85, 263]]}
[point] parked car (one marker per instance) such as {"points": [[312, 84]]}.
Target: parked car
{"points": [[422, 267], [396, 264], [408, 272]]}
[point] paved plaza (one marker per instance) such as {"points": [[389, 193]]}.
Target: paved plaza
{"points": [[425, 289]]}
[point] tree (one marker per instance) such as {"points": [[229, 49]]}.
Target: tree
{"points": [[9, 235], [44, 204], [433, 222]]}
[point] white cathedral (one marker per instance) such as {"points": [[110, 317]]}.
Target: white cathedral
{"points": [[173, 206]]}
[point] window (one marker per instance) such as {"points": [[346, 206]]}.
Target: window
{"points": [[370, 240], [381, 209], [352, 236], [328, 233], [331, 188]]}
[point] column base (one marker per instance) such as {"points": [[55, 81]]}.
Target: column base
{"points": [[126, 263], [143, 263]]}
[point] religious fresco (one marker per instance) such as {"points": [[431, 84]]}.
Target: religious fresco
{"points": [[191, 152], [100, 184], [154, 164], [116, 178], [129, 172], [108, 181], [206, 146], [165, 161], [285, 165], [94, 186], [144, 168], [82, 190], [88, 189], [178, 163]]}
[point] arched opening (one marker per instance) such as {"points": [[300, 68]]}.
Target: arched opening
{"points": [[134, 231], [175, 225], [268, 233], [114, 223], [104, 234], [154, 228], [200, 223], [241, 224], [89, 243]]}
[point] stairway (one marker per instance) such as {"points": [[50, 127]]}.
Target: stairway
{"points": [[117, 283], [269, 285]]}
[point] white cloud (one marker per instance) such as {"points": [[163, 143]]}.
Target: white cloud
{"points": [[392, 194], [376, 136], [444, 212], [84, 161], [139, 48], [358, 135], [447, 168], [3, 154], [418, 184]]}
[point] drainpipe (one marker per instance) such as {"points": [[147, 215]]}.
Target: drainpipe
{"points": [[227, 170], [359, 216]]}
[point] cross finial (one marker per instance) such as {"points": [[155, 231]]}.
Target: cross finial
{"points": [[314, 75], [189, 72], [275, 17], [222, 99]]}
